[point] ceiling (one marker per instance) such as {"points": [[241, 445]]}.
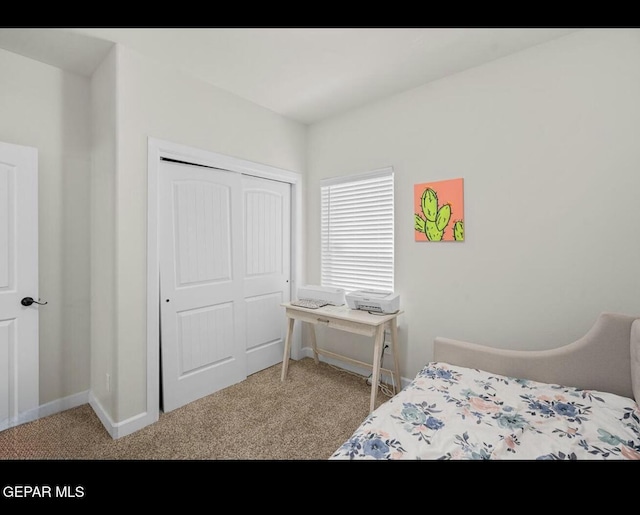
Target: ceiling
{"points": [[305, 74]]}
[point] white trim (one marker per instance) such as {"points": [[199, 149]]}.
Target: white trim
{"points": [[124, 428], [158, 149], [382, 172], [307, 352], [51, 408]]}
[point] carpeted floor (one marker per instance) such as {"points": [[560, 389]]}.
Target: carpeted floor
{"points": [[307, 417]]}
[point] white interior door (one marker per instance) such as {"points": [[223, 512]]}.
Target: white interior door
{"points": [[19, 367], [201, 286], [267, 244]]}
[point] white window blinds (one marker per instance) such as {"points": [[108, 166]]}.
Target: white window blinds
{"points": [[357, 231]]}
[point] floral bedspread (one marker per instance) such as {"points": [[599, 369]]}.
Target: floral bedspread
{"points": [[455, 413]]}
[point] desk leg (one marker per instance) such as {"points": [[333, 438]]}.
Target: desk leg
{"points": [[287, 350], [394, 352], [375, 378], [312, 335]]}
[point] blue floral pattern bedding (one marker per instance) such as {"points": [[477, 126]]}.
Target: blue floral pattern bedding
{"points": [[456, 413]]}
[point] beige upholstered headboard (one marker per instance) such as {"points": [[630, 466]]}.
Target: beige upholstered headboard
{"points": [[635, 360], [601, 360]]}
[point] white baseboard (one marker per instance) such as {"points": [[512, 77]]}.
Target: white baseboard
{"points": [[307, 352], [116, 430], [124, 428], [47, 409], [133, 424]]}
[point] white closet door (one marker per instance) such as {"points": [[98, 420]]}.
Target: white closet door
{"points": [[201, 282], [267, 249]]}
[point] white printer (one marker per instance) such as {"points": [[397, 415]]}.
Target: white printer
{"points": [[334, 296], [376, 301]]}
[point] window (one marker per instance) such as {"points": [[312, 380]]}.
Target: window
{"points": [[357, 231]]}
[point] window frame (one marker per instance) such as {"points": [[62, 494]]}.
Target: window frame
{"points": [[332, 262]]}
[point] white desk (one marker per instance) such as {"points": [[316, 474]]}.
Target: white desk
{"points": [[352, 321]]}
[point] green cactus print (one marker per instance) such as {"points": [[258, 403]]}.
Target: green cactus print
{"points": [[458, 230], [443, 217], [430, 204], [434, 220], [432, 231]]}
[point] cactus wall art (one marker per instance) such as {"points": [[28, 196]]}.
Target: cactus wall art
{"points": [[439, 210]]}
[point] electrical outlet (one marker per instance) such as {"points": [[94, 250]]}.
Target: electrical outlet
{"points": [[108, 382], [387, 342]]}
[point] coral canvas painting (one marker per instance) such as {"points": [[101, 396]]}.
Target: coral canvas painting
{"points": [[439, 210]]}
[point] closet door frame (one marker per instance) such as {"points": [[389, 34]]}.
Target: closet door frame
{"points": [[157, 150]]}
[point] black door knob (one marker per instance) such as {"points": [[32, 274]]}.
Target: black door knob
{"points": [[27, 301]]}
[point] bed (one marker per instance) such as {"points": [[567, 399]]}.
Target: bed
{"points": [[476, 402]]}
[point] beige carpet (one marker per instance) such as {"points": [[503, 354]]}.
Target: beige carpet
{"points": [[307, 417]]}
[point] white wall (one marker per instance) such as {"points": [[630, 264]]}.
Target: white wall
{"points": [[103, 233], [44, 107], [547, 143], [155, 101]]}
